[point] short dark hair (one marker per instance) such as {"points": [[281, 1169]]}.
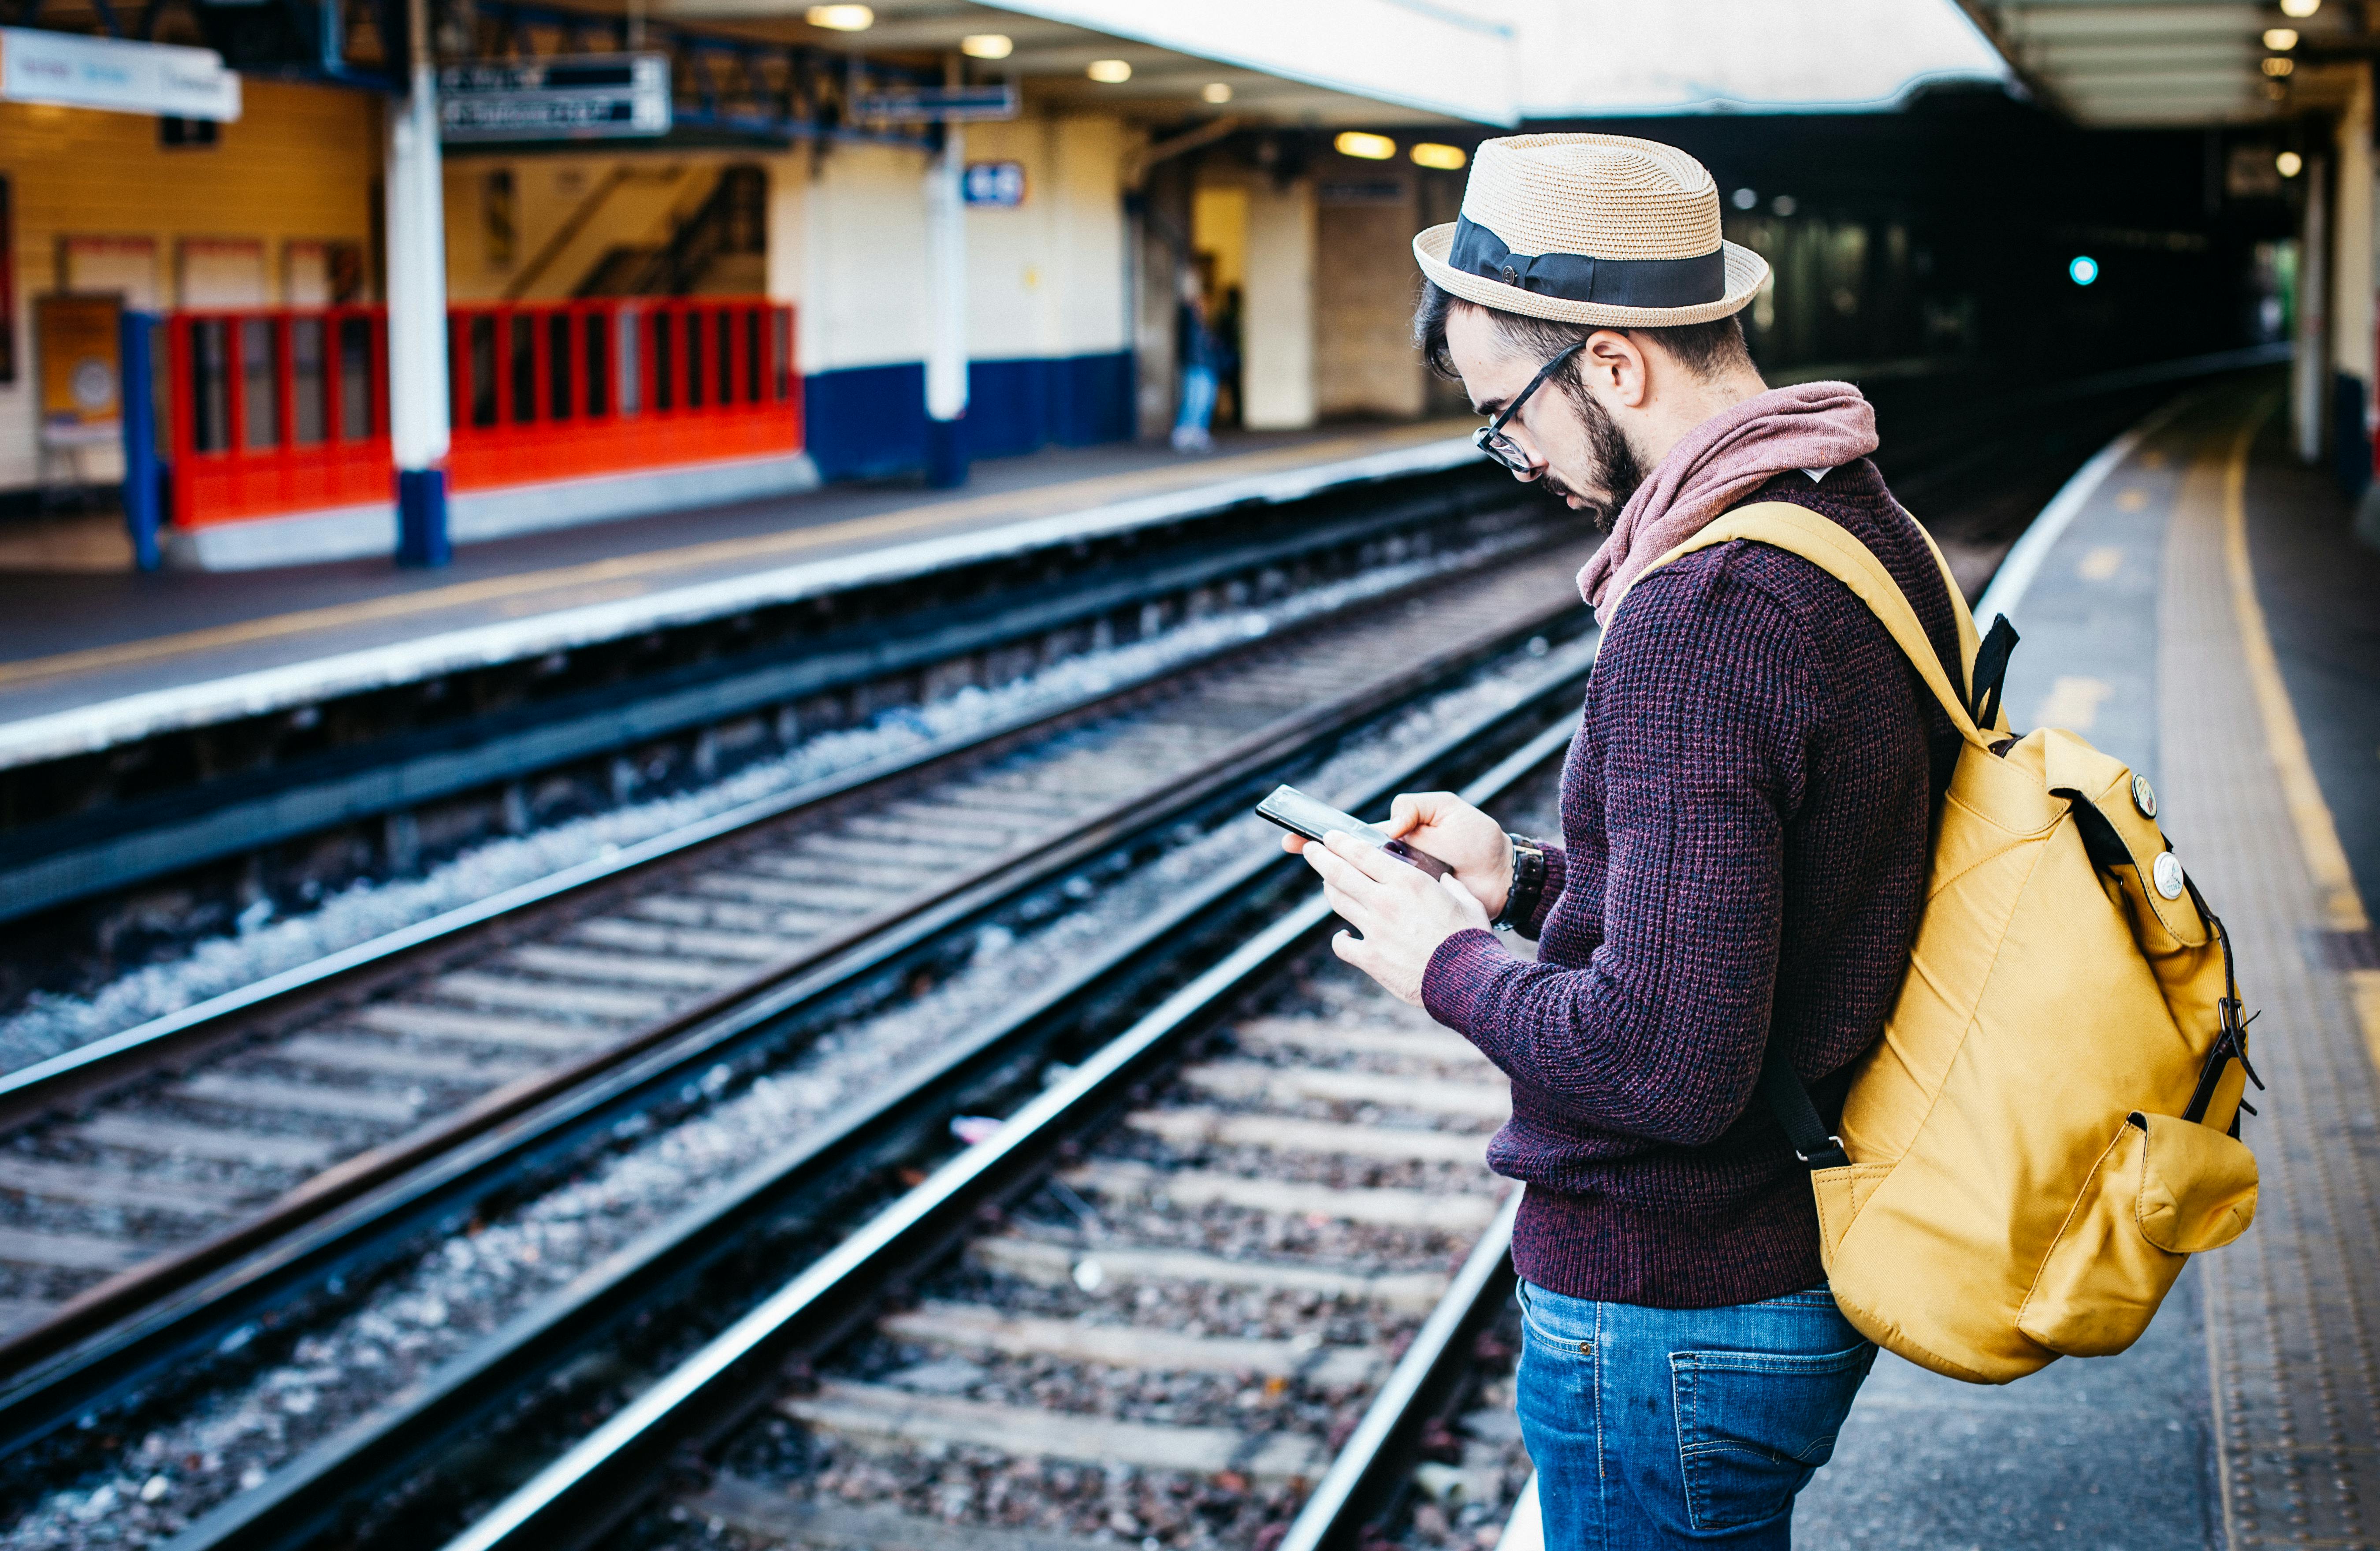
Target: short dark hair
{"points": [[1704, 349]]}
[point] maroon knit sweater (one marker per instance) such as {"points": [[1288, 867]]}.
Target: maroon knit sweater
{"points": [[1745, 816]]}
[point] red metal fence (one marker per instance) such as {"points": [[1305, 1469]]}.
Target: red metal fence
{"points": [[276, 412]]}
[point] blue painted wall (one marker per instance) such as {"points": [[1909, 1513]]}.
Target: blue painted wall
{"points": [[868, 422]]}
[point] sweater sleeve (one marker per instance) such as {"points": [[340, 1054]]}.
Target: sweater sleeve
{"points": [[1704, 706]]}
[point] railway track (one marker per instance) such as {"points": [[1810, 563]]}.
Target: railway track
{"points": [[1151, 755], [1215, 1287]]}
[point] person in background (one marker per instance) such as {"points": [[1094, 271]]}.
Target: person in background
{"points": [[1231, 402], [1194, 346]]}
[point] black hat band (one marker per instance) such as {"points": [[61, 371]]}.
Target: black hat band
{"points": [[1577, 277]]}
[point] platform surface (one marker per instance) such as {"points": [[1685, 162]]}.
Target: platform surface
{"points": [[2208, 617], [92, 658]]}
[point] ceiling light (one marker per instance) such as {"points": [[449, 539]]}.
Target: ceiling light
{"points": [[1745, 199], [2299, 8], [1216, 91], [1784, 204], [1109, 72], [987, 45], [1445, 158], [2279, 67], [1371, 148], [2288, 164], [840, 19], [2280, 39]]}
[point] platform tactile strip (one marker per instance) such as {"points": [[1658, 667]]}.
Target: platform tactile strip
{"points": [[2292, 1309]]}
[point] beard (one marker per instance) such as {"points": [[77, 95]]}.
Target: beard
{"points": [[1615, 461]]}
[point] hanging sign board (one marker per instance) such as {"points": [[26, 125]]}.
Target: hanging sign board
{"points": [[565, 97], [117, 74], [1000, 183], [947, 104], [77, 340]]}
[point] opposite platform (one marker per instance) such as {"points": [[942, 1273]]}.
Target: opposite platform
{"points": [[88, 662]]}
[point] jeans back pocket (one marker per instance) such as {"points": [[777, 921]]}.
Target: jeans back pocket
{"points": [[1754, 1426]]}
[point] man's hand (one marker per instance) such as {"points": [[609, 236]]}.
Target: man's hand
{"points": [[1456, 834], [1403, 912]]}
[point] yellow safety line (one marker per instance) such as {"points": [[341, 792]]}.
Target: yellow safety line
{"points": [[1048, 499], [2325, 858]]}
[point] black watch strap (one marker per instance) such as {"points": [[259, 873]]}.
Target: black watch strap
{"points": [[1528, 884]]}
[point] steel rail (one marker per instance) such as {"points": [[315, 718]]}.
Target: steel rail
{"points": [[345, 976], [296, 1502], [354, 1238], [611, 1471], [62, 860]]}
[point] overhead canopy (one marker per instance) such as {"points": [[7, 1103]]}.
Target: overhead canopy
{"points": [[2169, 62], [1501, 61], [1583, 58]]}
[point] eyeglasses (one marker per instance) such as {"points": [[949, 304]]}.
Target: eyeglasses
{"points": [[1490, 438]]}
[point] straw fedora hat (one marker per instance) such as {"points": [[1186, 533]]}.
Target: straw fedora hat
{"points": [[1597, 229]]}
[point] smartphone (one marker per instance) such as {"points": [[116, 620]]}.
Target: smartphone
{"points": [[1302, 815]]}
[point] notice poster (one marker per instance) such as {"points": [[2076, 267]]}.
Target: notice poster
{"points": [[76, 340]]}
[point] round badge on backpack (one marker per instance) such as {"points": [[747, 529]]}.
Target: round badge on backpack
{"points": [[2144, 796], [2165, 873]]}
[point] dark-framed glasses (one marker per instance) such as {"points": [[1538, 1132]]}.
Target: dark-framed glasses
{"points": [[1490, 438]]}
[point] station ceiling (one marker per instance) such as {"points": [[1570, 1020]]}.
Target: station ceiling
{"points": [[2176, 62]]}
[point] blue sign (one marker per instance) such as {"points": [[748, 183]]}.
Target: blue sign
{"points": [[993, 183]]}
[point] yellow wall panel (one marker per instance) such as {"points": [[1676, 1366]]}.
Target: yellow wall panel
{"points": [[302, 163]]}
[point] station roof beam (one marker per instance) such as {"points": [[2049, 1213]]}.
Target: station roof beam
{"points": [[2171, 63]]}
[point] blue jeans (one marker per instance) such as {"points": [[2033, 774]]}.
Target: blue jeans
{"points": [[1659, 1427]]}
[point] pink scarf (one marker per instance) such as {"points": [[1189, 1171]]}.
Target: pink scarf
{"points": [[1812, 425]]}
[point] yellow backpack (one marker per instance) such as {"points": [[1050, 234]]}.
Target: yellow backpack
{"points": [[2047, 1129]]}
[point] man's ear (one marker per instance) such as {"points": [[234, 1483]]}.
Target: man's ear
{"points": [[1618, 368]]}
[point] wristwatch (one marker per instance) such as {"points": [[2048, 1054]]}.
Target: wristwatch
{"points": [[1528, 884]]}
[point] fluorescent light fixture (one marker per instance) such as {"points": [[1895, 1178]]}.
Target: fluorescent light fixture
{"points": [[840, 19], [2299, 8], [1216, 91], [1109, 72], [1445, 158], [987, 45], [2288, 164], [1371, 148], [2280, 39]]}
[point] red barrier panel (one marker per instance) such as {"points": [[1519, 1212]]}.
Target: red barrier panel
{"points": [[618, 386], [276, 412]]}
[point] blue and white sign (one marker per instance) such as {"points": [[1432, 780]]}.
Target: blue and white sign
{"points": [[117, 74], [1000, 183]]}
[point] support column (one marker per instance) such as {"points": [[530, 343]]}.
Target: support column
{"points": [[419, 430], [2351, 320], [1277, 359], [2311, 370], [946, 346]]}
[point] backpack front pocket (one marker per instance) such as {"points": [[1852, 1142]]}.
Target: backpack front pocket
{"points": [[2164, 1189]]}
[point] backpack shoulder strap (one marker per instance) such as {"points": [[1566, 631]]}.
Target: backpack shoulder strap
{"points": [[1832, 549]]}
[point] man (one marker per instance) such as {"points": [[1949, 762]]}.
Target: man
{"points": [[1745, 816]]}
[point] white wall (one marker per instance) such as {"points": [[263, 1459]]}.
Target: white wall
{"points": [[1047, 278], [1277, 350]]}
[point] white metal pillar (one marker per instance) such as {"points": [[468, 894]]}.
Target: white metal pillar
{"points": [[418, 429], [2309, 373], [2351, 292], [946, 282]]}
